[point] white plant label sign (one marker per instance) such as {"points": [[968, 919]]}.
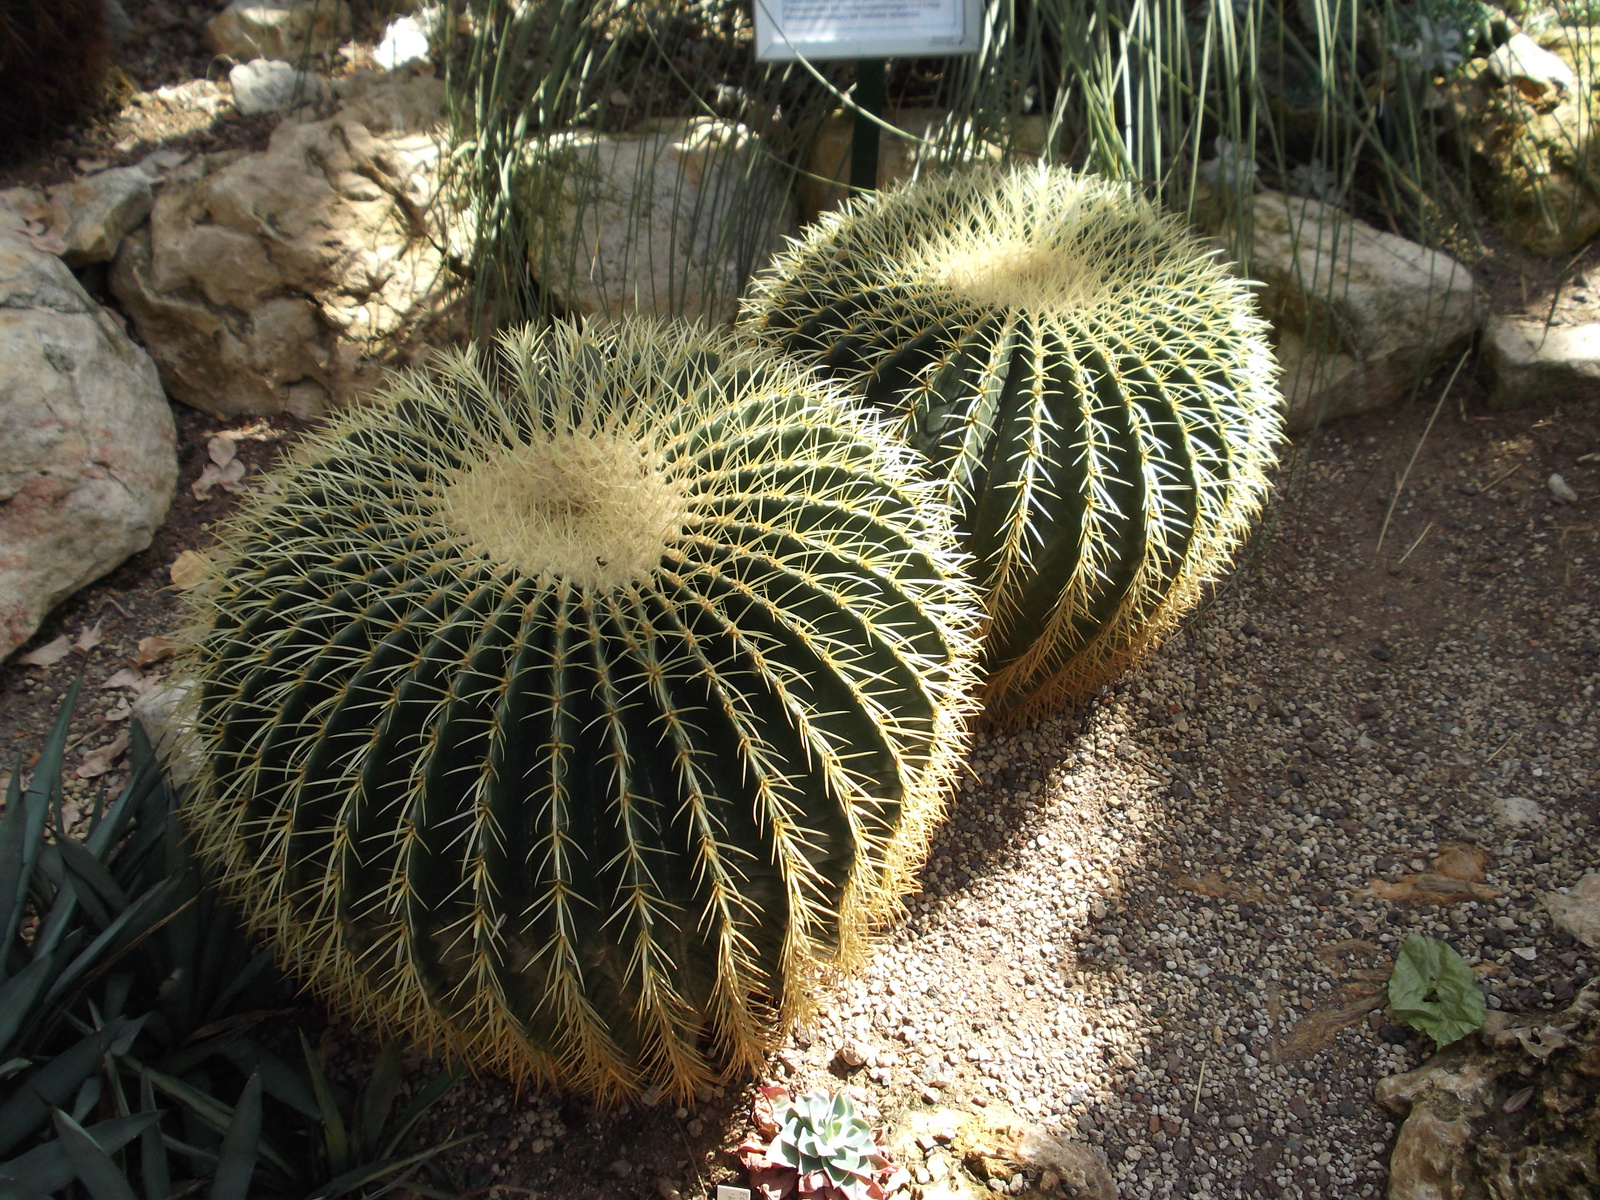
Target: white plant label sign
{"points": [[790, 29]]}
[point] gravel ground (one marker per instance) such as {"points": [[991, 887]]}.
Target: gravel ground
{"points": [[1162, 923]]}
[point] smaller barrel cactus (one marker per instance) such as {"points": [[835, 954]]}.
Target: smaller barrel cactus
{"points": [[1094, 387], [574, 711]]}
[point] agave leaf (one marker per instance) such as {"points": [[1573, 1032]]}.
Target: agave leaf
{"points": [[335, 1140], [49, 1168], [236, 986], [19, 841], [17, 995], [92, 1165], [112, 943], [29, 1107], [377, 1098], [87, 866], [358, 1177], [278, 1079], [153, 1166], [241, 1144], [420, 1104]]}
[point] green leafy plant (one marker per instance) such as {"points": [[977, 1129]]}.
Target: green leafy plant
{"points": [[816, 1144], [573, 709], [123, 982], [1433, 990], [1093, 387]]}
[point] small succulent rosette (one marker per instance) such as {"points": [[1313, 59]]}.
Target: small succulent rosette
{"points": [[817, 1145]]}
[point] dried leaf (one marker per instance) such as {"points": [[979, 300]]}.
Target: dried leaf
{"points": [[89, 638], [227, 477], [128, 677], [190, 569], [154, 649], [120, 713], [98, 762], [48, 654], [222, 450]]}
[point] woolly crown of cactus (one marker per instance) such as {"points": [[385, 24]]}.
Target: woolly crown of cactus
{"points": [[572, 710], [1094, 387]]}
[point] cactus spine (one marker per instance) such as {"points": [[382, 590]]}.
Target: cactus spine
{"points": [[573, 710], [1093, 387]]}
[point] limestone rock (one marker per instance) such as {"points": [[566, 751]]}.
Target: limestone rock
{"points": [[281, 29], [669, 222], [1509, 1112], [88, 451], [1535, 71], [1358, 315], [1530, 117], [285, 280], [266, 85], [1578, 912], [91, 215], [407, 40], [1528, 361]]}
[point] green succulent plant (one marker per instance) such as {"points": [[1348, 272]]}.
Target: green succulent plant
{"points": [[571, 709], [823, 1132], [1091, 384]]}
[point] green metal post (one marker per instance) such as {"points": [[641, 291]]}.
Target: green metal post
{"points": [[864, 138]]}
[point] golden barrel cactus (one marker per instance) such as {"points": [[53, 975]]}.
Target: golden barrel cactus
{"points": [[572, 710], [1091, 384]]}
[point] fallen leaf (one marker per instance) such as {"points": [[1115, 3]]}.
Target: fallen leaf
{"points": [[190, 569], [1458, 860], [1219, 888], [227, 477], [89, 638], [98, 762], [153, 649], [1318, 1028], [120, 713], [222, 450], [46, 655], [1430, 888], [128, 677]]}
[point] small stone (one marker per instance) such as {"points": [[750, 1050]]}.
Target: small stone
{"points": [[1519, 812], [1561, 489], [1233, 1121], [1578, 912], [695, 1127], [1526, 953], [268, 86], [855, 1054], [621, 1168]]}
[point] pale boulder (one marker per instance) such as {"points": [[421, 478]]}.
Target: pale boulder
{"points": [[1527, 361], [288, 280], [669, 223], [280, 29], [1358, 315], [88, 451]]}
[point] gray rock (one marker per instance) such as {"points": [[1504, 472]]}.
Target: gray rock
{"points": [[1358, 314], [406, 40], [1533, 69], [287, 280], [90, 216], [1527, 361], [281, 29], [668, 223], [268, 86], [1561, 489], [160, 709], [1518, 811], [1578, 912], [88, 451], [1072, 1161]]}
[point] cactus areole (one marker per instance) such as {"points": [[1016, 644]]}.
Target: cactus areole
{"points": [[1092, 385], [571, 710]]}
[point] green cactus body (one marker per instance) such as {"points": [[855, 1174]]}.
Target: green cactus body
{"points": [[572, 710], [1093, 387]]}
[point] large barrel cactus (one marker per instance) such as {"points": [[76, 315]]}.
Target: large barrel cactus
{"points": [[1093, 386], [572, 710]]}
